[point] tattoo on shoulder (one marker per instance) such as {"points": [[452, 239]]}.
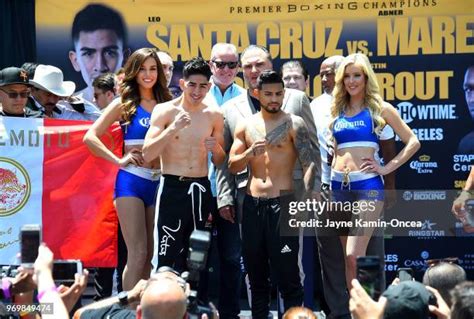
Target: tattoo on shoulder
{"points": [[303, 145], [305, 152], [279, 134], [275, 137]]}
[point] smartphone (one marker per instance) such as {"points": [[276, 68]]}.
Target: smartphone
{"points": [[405, 274], [369, 274], [30, 239], [64, 270]]}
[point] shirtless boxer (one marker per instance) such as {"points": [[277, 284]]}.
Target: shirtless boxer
{"points": [[270, 142], [182, 132]]}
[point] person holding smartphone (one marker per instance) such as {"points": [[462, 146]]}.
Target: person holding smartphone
{"points": [[358, 116], [143, 87]]}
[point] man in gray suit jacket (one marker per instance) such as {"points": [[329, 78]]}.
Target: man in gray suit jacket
{"points": [[231, 188]]}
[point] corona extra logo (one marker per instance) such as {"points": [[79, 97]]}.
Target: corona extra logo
{"points": [[15, 186], [424, 165]]}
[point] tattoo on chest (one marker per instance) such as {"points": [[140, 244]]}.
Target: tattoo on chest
{"points": [[277, 136]]}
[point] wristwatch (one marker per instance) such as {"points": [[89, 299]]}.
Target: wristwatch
{"points": [[123, 298]]}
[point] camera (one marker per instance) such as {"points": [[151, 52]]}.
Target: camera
{"points": [[199, 243]]}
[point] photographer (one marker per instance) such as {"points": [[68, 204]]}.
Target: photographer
{"points": [[162, 296], [407, 300]]}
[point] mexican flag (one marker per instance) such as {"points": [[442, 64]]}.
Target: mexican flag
{"points": [[49, 177]]}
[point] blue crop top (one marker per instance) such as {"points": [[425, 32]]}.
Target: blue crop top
{"points": [[355, 131], [135, 131]]}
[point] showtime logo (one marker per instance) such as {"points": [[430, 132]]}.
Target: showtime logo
{"points": [[409, 112], [423, 165]]}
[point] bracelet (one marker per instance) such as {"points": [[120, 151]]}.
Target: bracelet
{"points": [[42, 293], [6, 284]]}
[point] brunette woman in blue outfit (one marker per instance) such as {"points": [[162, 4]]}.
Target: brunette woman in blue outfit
{"points": [[143, 87]]}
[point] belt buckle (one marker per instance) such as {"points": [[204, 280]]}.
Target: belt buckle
{"points": [[345, 178], [187, 179]]}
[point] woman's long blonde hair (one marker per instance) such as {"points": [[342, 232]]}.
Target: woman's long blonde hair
{"points": [[129, 87], [372, 98]]}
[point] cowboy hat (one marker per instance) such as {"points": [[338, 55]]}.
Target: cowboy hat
{"points": [[49, 78]]}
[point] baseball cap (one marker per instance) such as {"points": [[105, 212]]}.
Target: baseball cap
{"points": [[407, 300], [13, 75]]}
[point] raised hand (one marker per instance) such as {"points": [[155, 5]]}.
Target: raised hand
{"points": [[257, 148], [182, 120]]}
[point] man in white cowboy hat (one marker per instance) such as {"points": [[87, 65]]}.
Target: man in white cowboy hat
{"points": [[48, 89]]}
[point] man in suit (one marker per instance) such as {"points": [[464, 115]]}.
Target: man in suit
{"points": [[224, 63], [231, 188]]}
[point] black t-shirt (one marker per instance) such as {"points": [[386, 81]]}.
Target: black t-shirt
{"points": [[110, 312]]}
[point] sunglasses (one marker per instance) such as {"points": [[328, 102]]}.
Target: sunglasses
{"points": [[14, 95], [230, 65]]}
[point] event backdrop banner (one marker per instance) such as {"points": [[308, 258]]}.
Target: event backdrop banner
{"points": [[420, 50], [49, 177]]}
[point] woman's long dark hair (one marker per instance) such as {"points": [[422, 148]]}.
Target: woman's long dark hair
{"points": [[130, 92]]}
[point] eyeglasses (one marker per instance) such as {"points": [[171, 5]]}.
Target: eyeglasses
{"points": [[14, 95], [230, 65], [449, 260]]}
